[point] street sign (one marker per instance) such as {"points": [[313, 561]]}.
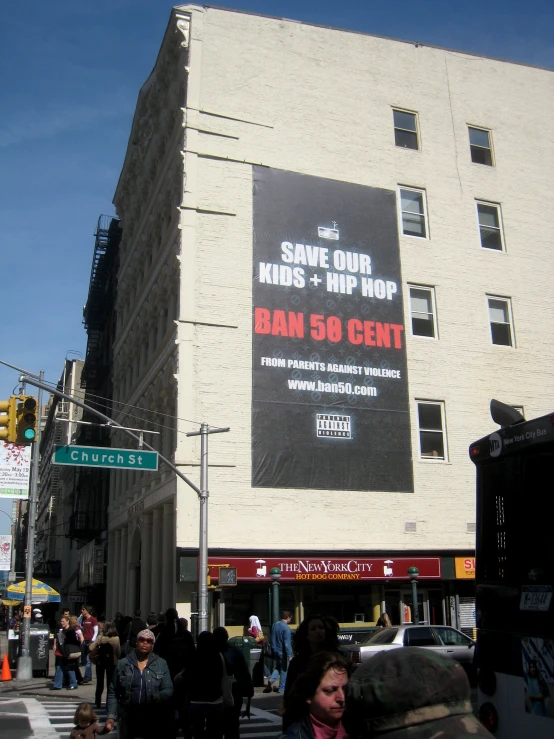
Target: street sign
{"points": [[11, 577], [121, 459]]}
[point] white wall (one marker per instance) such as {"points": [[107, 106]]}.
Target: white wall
{"points": [[319, 101]]}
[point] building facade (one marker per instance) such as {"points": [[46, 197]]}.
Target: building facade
{"points": [[55, 486], [334, 244]]}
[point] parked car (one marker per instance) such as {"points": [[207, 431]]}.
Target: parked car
{"points": [[442, 639]]}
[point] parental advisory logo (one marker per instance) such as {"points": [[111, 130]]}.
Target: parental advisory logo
{"points": [[335, 426]]}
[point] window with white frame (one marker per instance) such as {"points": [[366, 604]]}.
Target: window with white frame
{"points": [[490, 225], [413, 211], [432, 434], [422, 311], [405, 129], [500, 318], [480, 145]]}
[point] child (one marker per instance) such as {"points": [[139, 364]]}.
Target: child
{"points": [[86, 723]]}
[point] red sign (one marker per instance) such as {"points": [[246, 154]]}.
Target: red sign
{"points": [[327, 569]]}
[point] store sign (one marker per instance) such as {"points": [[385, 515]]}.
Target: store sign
{"points": [[327, 569], [330, 404], [465, 568]]}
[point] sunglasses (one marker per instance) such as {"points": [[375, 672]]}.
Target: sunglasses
{"points": [[148, 641]]}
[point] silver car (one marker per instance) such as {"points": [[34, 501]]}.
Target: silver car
{"points": [[442, 639]]}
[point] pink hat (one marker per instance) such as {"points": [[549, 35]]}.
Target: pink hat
{"points": [[146, 634]]}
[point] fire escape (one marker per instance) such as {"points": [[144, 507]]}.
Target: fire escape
{"points": [[89, 516]]}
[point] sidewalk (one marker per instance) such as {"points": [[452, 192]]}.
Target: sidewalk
{"points": [[42, 686]]}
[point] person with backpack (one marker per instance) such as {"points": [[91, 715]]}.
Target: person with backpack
{"points": [[105, 652], [130, 634]]}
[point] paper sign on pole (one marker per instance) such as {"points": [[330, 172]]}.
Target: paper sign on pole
{"points": [[15, 467], [5, 552]]}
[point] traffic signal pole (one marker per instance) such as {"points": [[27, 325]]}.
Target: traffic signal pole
{"points": [[25, 662], [202, 492]]}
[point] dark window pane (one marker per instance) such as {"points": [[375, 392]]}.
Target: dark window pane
{"points": [[501, 334], [432, 444], [481, 156], [404, 120], [413, 225], [384, 636], [412, 201], [430, 416], [405, 139], [479, 137], [490, 238], [419, 637], [488, 215], [423, 326]]}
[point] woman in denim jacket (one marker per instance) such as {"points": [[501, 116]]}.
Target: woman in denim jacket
{"points": [[139, 693]]}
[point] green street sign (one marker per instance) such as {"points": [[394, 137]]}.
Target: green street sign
{"points": [[119, 459]]}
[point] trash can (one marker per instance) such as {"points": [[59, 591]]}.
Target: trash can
{"points": [[246, 645], [40, 649], [13, 648], [256, 667]]}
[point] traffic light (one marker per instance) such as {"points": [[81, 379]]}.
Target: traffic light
{"points": [[27, 418], [8, 415]]}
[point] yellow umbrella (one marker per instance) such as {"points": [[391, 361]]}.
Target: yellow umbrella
{"points": [[11, 602], [40, 592]]}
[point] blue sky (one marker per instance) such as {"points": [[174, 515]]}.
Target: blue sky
{"points": [[72, 72]]}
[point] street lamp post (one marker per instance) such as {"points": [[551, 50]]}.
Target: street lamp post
{"points": [[413, 574], [275, 575]]}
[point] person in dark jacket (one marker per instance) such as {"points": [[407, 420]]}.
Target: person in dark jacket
{"points": [[139, 694], [242, 687], [131, 630], [199, 690], [175, 643], [316, 699], [314, 635]]}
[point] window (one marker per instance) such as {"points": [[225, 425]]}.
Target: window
{"points": [[490, 226], [414, 212], [453, 638], [421, 636], [480, 146], [500, 321], [422, 309], [405, 129], [383, 636], [431, 430]]}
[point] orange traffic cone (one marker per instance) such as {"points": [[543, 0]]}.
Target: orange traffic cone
{"points": [[6, 672]]}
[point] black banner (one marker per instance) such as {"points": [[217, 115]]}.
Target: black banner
{"points": [[329, 387]]}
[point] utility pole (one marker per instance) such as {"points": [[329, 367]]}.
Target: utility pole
{"points": [[203, 624], [25, 662], [202, 492]]}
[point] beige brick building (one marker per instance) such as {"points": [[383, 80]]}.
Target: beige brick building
{"points": [[461, 146]]}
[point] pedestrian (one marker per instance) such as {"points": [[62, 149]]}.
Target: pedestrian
{"points": [[69, 648], [76, 626], [317, 698], [86, 723], [89, 627], [140, 692], [121, 622], [242, 686], [410, 693], [130, 635], [175, 643], [315, 634], [105, 652], [281, 650], [199, 689], [384, 622]]}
